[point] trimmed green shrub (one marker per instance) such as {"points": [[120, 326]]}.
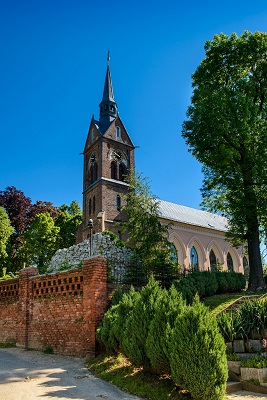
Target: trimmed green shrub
{"points": [[198, 354], [167, 307], [137, 324], [186, 286], [206, 283], [222, 282]]}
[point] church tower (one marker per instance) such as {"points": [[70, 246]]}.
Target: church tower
{"points": [[108, 156]]}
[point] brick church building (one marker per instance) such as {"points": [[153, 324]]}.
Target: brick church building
{"points": [[197, 236]]}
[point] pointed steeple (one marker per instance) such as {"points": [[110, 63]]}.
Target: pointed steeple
{"points": [[108, 106]]}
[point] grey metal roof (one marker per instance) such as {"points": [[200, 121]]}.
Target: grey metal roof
{"points": [[191, 216]]}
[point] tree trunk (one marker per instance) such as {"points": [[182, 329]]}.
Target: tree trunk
{"points": [[256, 280]]}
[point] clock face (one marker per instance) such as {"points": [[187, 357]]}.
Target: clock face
{"points": [[117, 155]]}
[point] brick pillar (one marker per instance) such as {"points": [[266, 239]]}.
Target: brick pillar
{"points": [[94, 298], [24, 305]]}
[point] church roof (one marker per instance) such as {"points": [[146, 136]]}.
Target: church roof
{"points": [[191, 216]]}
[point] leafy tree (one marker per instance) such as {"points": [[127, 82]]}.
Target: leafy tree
{"points": [[18, 208], [6, 231], [44, 207], [143, 226], [41, 241], [68, 221], [226, 130]]}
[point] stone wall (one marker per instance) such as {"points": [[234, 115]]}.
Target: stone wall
{"points": [[102, 244]]}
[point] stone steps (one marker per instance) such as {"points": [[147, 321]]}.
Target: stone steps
{"points": [[233, 387]]}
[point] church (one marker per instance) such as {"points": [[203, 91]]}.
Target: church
{"points": [[198, 237]]}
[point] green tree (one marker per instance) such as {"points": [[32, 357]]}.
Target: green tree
{"points": [[149, 236], [226, 130], [41, 241], [68, 221], [6, 231]]}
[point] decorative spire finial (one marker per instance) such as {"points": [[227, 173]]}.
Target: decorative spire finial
{"points": [[108, 57]]}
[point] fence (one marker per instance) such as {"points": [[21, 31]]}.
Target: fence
{"points": [[60, 311]]}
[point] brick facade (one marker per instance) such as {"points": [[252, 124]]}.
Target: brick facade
{"points": [[60, 310]]}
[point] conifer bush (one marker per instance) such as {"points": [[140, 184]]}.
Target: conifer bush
{"points": [[167, 307], [110, 331], [137, 324], [198, 354]]}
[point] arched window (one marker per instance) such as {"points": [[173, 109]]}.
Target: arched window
{"points": [[95, 172], [94, 204], [91, 174], [90, 206], [174, 253], [118, 202], [246, 267], [230, 264], [118, 133], [122, 172], [113, 168], [213, 261], [93, 134], [194, 258]]}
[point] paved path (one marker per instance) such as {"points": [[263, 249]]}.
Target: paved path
{"points": [[244, 395], [32, 375]]}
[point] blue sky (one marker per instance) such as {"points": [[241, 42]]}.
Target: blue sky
{"points": [[52, 70]]}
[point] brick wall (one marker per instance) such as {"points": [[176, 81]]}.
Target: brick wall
{"points": [[60, 310]]}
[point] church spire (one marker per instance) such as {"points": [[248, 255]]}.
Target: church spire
{"points": [[108, 106]]}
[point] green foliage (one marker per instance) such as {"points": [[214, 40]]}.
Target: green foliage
{"points": [[168, 306], [197, 354], [230, 326], [231, 356], [137, 324], [249, 318], [64, 265], [68, 221], [205, 283], [111, 330], [145, 231], [226, 131], [255, 362], [6, 231], [41, 241], [6, 276], [113, 237], [48, 350], [157, 331]]}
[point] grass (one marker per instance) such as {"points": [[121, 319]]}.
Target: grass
{"points": [[119, 371], [219, 302]]}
